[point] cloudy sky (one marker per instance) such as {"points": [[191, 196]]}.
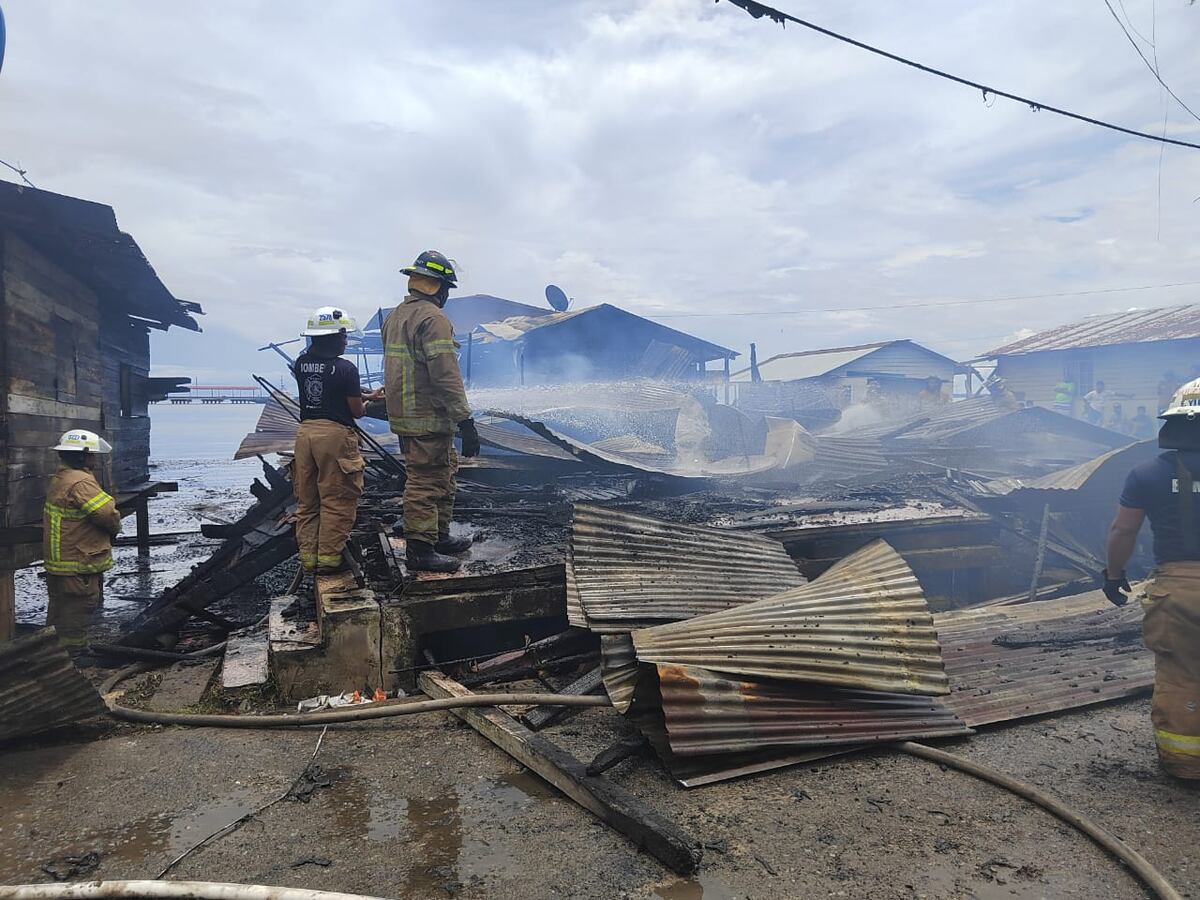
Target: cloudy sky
{"points": [[675, 157]]}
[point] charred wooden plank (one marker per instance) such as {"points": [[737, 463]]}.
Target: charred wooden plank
{"points": [[661, 838], [541, 716]]}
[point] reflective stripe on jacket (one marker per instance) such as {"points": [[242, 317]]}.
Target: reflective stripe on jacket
{"points": [[425, 393], [78, 524]]}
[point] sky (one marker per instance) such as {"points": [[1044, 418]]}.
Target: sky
{"points": [[678, 158]]}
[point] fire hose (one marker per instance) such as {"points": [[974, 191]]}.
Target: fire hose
{"points": [[1140, 866], [169, 890]]}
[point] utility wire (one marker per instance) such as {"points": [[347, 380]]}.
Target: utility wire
{"points": [[931, 303], [19, 171], [1153, 67], [758, 10]]}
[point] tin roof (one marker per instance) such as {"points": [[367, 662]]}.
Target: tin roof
{"points": [[83, 238], [1135, 326], [815, 363], [628, 570], [705, 713], [1051, 655], [863, 624], [1116, 462], [40, 688]]}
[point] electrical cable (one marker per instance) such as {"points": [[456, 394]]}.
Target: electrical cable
{"points": [[165, 890], [1149, 65], [758, 10], [1152, 878], [19, 171], [925, 305]]}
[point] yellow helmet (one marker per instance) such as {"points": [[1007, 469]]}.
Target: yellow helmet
{"points": [[330, 320], [81, 441]]}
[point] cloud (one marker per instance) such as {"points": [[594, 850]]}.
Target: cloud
{"points": [[674, 156]]}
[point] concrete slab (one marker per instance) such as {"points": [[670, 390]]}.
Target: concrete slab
{"points": [[182, 685], [246, 659]]}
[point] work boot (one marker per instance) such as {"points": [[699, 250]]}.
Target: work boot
{"points": [[421, 557], [448, 544]]}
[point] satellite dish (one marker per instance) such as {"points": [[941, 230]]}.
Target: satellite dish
{"points": [[1, 39], [556, 298]]}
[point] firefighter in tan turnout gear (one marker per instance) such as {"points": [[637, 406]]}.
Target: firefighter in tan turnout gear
{"points": [[1167, 491], [79, 522], [426, 404], [327, 471]]}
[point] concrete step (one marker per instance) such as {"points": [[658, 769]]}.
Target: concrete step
{"points": [[246, 659]]}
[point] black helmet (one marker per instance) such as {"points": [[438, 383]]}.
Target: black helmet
{"points": [[432, 264]]}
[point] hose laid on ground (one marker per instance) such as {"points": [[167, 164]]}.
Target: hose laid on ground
{"points": [[1106, 839], [101, 649], [170, 890], [333, 716]]}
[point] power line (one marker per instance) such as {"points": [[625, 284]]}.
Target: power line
{"points": [[1153, 67], [929, 304], [19, 171], [758, 10]]}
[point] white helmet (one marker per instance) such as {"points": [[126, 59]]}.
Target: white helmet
{"points": [[330, 320], [79, 440], [1185, 403]]}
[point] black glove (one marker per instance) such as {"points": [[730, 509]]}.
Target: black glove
{"points": [[470, 438], [1116, 589]]}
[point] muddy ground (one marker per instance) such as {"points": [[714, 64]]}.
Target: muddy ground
{"points": [[425, 808]]}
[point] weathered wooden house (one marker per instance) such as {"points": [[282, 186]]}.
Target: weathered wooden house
{"points": [[77, 303], [1140, 355], [812, 386]]}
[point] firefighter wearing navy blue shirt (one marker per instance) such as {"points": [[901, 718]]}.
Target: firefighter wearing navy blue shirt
{"points": [[327, 470], [1167, 491]]}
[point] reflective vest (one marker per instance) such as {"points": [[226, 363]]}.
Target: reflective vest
{"points": [[78, 524], [425, 392]]}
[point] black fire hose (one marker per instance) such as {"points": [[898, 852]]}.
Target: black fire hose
{"points": [[1106, 839]]}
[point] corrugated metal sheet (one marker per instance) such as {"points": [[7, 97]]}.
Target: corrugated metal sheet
{"points": [[628, 396], [1168, 323], [808, 364], [629, 570], [708, 713], [1075, 477], [40, 688], [903, 357], [522, 442], [618, 669], [1067, 656], [864, 624]]}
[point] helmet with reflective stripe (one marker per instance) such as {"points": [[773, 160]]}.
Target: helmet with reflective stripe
{"points": [[81, 441], [433, 265], [330, 320], [1185, 403]]}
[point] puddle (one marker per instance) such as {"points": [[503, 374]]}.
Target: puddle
{"points": [[451, 837], [700, 887]]}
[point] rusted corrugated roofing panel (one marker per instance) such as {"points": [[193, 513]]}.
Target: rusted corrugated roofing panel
{"points": [[707, 713], [1028, 659], [864, 624], [618, 669], [1136, 326], [40, 688], [630, 570]]}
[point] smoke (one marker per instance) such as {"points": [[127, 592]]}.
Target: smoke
{"points": [[860, 415]]}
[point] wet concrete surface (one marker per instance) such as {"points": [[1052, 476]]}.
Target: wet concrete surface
{"points": [[424, 807]]}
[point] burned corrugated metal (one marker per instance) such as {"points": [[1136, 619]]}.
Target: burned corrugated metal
{"points": [[863, 624], [618, 669], [708, 713], [40, 688], [628, 570], [1009, 662], [1075, 477], [522, 442]]}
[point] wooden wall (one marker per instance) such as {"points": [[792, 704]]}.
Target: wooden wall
{"points": [[60, 368]]}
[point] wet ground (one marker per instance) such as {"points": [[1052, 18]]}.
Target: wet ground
{"points": [[424, 808]]}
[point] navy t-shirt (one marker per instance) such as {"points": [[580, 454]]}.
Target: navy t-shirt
{"points": [[1154, 488], [325, 384]]}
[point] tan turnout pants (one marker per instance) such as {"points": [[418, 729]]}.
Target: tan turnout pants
{"points": [[1171, 629], [73, 599], [430, 486], [327, 478]]}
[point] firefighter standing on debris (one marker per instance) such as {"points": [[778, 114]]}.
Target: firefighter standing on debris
{"points": [[1165, 490], [426, 403], [327, 471], [79, 522]]}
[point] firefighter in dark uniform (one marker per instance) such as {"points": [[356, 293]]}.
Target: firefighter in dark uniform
{"points": [[327, 470], [1165, 491], [426, 404]]}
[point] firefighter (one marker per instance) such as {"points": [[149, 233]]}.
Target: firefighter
{"points": [[426, 403], [1164, 490], [79, 522], [327, 470]]}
